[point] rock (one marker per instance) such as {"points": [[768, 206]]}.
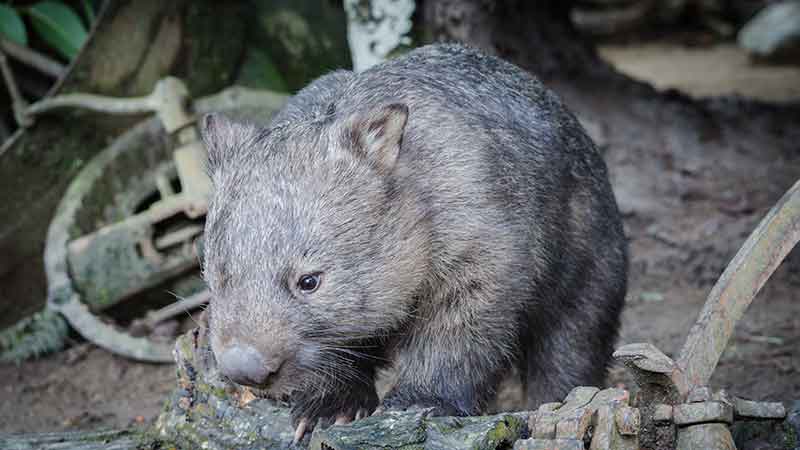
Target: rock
{"points": [[662, 413], [606, 436], [706, 436], [615, 425], [545, 425], [758, 410], [548, 444], [550, 407], [774, 33], [628, 420], [573, 425], [699, 394], [578, 398], [645, 357], [722, 396], [693, 413], [613, 397]]}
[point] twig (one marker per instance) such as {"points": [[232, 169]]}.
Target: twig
{"points": [[18, 103], [32, 58], [100, 103], [173, 309], [763, 339]]}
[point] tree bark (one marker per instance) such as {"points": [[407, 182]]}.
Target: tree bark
{"points": [[537, 36]]}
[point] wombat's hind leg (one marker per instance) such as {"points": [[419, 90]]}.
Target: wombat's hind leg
{"points": [[575, 350]]}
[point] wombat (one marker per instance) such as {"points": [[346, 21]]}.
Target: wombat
{"points": [[442, 214]]}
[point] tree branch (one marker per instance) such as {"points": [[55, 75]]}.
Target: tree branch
{"points": [[32, 58]]}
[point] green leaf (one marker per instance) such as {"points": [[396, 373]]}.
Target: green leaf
{"points": [[59, 26], [11, 25], [88, 11], [258, 71]]}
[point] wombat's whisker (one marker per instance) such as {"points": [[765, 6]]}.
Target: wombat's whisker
{"points": [[337, 370], [357, 354]]}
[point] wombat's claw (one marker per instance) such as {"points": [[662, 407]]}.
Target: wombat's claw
{"points": [[378, 411], [343, 420], [300, 431]]}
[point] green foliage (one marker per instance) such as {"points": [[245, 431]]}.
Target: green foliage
{"points": [[11, 25], [259, 72], [59, 26], [55, 22], [41, 333], [88, 11]]}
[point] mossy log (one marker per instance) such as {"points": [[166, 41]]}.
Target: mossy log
{"points": [[73, 440], [205, 411]]}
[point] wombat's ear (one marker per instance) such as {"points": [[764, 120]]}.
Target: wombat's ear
{"points": [[221, 135], [379, 133]]}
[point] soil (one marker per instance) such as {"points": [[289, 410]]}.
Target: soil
{"points": [[716, 69], [692, 179]]}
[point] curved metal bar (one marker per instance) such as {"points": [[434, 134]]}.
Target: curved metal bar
{"points": [[752, 266], [110, 105], [108, 337]]}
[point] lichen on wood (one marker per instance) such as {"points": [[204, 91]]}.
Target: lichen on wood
{"points": [[205, 411]]}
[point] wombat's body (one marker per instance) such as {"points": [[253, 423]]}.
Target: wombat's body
{"points": [[441, 213]]}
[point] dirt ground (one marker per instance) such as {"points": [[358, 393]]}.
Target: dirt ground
{"points": [[717, 69], [689, 199]]}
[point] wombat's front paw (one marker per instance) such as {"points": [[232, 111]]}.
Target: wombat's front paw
{"points": [[399, 400], [310, 411]]}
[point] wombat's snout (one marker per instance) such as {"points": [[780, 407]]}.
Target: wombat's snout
{"points": [[245, 365]]}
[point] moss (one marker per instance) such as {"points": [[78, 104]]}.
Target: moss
{"points": [[209, 390], [506, 431], [790, 438], [260, 72]]}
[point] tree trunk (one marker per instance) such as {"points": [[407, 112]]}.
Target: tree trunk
{"points": [[537, 36]]}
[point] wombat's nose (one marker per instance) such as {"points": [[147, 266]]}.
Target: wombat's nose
{"points": [[245, 365]]}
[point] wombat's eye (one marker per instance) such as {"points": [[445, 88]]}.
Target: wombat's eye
{"points": [[308, 283]]}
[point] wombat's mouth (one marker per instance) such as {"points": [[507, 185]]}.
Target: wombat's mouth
{"points": [[280, 384]]}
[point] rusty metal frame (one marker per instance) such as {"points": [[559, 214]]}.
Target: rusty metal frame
{"points": [[64, 255]]}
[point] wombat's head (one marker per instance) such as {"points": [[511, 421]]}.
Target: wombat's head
{"points": [[312, 251]]}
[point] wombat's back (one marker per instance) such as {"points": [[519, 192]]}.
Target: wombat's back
{"points": [[478, 117], [484, 135], [516, 192]]}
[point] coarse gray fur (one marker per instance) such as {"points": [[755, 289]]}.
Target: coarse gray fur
{"points": [[460, 218]]}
